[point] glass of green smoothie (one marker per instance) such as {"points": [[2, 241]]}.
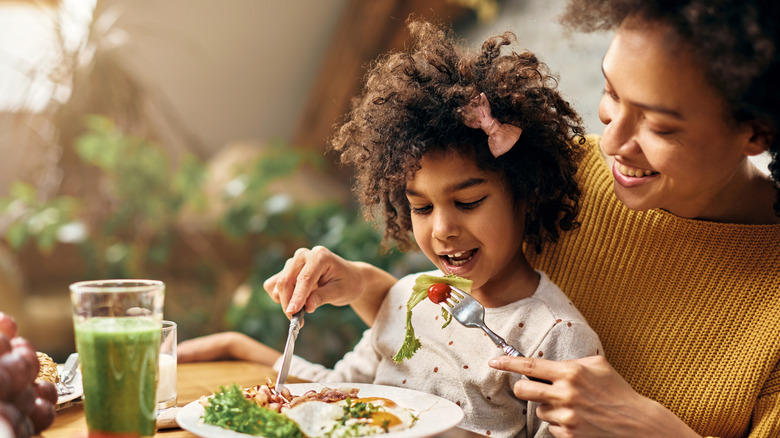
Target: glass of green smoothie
{"points": [[117, 325]]}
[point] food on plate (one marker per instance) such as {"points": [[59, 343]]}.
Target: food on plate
{"points": [[267, 397], [349, 417], [420, 291], [328, 413], [48, 370], [230, 409]]}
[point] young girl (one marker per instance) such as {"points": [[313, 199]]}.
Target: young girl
{"points": [[473, 155]]}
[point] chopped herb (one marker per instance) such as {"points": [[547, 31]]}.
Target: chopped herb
{"points": [[420, 292], [357, 410], [228, 408]]}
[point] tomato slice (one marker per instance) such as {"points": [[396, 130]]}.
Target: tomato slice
{"points": [[438, 292]]}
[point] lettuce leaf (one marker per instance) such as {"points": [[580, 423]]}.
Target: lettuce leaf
{"points": [[229, 409], [420, 292]]}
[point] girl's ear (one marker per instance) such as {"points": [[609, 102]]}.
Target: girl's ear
{"points": [[761, 136]]}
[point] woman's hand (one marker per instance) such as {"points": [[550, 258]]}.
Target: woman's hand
{"points": [[588, 398], [313, 277]]}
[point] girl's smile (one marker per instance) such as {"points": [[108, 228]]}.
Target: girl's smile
{"points": [[467, 222]]}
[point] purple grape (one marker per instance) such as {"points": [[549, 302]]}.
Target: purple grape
{"points": [[43, 415], [18, 370], [11, 414], [46, 391], [25, 400], [25, 429], [5, 344], [7, 325], [20, 342], [31, 361], [5, 385]]}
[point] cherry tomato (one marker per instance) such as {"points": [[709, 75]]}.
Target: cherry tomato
{"points": [[439, 292]]}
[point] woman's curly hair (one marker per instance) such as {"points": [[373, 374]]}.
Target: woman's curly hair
{"points": [[411, 104], [735, 42]]}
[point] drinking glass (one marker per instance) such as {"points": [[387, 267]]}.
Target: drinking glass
{"points": [[166, 386], [118, 326]]}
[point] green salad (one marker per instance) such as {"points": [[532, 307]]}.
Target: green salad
{"points": [[420, 292], [228, 408]]}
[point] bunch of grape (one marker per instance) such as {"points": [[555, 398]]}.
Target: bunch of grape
{"points": [[26, 407]]}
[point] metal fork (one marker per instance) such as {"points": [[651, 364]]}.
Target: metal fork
{"points": [[63, 389], [470, 313], [67, 373]]}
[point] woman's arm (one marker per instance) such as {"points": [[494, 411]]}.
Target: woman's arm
{"points": [[317, 276], [226, 345], [589, 398]]}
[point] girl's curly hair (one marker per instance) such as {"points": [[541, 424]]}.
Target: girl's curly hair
{"points": [[735, 42], [410, 106]]}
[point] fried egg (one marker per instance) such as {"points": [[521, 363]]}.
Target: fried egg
{"points": [[317, 419]]}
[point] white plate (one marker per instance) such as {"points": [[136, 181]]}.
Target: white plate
{"points": [[436, 414], [78, 389]]}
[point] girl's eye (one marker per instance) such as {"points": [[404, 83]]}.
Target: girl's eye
{"points": [[422, 210], [470, 205]]}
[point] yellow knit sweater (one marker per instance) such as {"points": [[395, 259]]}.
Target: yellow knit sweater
{"points": [[688, 311]]}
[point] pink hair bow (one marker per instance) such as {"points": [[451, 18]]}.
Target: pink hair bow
{"points": [[501, 137]]}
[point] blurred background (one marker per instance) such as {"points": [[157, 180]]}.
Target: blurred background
{"points": [[183, 140]]}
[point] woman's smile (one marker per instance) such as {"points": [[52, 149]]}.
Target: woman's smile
{"points": [[628, 176]]}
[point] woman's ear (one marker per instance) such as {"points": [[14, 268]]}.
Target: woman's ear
{"points": [[762, 135]]}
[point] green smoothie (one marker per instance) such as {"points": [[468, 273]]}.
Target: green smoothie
{"points": [[118, 359]]}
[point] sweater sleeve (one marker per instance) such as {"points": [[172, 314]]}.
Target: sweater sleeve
{"points": [[357, 366]]}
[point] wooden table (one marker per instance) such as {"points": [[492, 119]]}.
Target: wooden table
{"points": [[193, 381]]}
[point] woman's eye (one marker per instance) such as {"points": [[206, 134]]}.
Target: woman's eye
{"points": [[609, 93], [471, 205], [662, 132], [422, 210]]}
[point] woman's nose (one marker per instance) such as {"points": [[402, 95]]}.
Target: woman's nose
{"points": [[618, 136]]}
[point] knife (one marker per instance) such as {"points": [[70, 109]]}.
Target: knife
{"points": [[292, 334]]}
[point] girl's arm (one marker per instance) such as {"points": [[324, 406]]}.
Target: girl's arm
{"points": [[317, 276], [589, 398]]}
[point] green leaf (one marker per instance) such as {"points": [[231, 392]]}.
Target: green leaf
{"points": [[229, 409], [420, 292]]}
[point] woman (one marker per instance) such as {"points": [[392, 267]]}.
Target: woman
{"points": [[677, 262]]}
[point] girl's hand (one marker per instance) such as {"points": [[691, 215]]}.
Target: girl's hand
{"points": [[317, 276], [588, 398]]}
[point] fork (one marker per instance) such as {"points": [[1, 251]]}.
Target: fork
{"points": [[63, 389], [470, 313], [67, 373]]}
